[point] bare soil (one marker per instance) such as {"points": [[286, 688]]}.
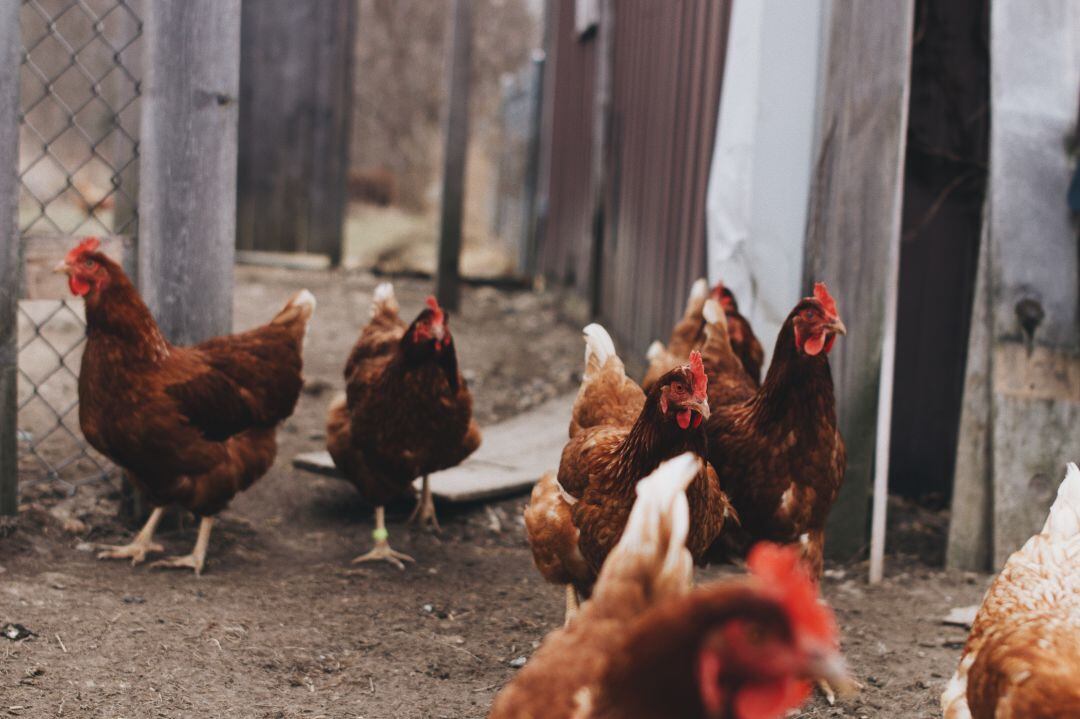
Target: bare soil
{"points": [[282, 626]]}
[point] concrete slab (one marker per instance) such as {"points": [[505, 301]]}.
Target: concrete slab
{"points": [[514, 454]]}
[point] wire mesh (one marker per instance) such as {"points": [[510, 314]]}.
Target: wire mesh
{"points": [[78, 154]]}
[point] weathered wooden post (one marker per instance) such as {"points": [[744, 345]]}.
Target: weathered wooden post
{"points": [[1022, 390], [9, 255], [187, 193], [853, 231], [295, 113], [456, 149]]}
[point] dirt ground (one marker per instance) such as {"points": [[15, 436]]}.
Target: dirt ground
{"points": [[281, 625]]}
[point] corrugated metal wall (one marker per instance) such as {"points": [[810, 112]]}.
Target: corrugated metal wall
{"points": [[563, 251], [667, 68]]}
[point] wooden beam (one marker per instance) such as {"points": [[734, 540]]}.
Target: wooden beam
{"points": [[1034, 307], [295, 107], [187, 195], [853, 227], [10, 48], [456, 148]]}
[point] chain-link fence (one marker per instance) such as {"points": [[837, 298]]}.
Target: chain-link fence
{"points": [[78, 155]]}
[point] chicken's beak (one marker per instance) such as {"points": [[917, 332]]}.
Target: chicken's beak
{"points": [[701, 407], [830, 667], [836, 327], [62, 268]]}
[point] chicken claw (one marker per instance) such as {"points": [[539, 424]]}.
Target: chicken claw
{"points": [[139, 547], [136, 551], [188, 561], [384, 552], [197, 559], [424, 512]]}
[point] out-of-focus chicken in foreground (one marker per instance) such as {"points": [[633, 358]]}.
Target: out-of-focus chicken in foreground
{"points": [[617, 436], [1022, 660], [190, 426], [646, 646], [406, 413]]}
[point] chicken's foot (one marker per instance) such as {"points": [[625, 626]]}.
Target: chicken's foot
{"points": [[139, 547], [197, 559], [383, 551], [424, 512]]}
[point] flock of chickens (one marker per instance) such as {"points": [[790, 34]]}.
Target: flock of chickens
{"points": [[703, 462]]}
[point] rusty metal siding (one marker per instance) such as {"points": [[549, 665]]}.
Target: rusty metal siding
{"points": [[563, 251], [667, 68]]}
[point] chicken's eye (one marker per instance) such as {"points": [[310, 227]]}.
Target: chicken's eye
{"points": [[755, 634], [88, 262]]}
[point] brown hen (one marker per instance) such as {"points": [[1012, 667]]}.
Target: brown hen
{"points": [[779, 454], [618, 435], [647, 646], [1023, 656], [406, 413], [190, 426]]}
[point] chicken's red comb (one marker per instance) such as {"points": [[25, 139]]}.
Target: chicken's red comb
{"points": [[821, 294], [701, 382], [783, 572], [433, 305], [718, 290], [90, 244]]}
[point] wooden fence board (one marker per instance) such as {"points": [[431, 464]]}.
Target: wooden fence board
{"points": [[853, 228], [10, 45]]}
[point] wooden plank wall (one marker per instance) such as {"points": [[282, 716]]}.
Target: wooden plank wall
{"points": [[295, 110], [10, 48], [1022, 394], [853, 227]]}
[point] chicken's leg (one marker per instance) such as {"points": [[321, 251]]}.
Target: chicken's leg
{"points": [[142, 545], [382, 550], [197, 558], [572, 604], [424, 512]]}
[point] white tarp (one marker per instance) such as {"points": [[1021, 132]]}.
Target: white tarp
{"points": [[762, 160]]}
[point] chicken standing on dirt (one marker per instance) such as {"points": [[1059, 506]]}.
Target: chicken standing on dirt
{"points": [[779, 454], [1022, 660], [406, 413], [617, 436], [190, 426], [647, 646]]}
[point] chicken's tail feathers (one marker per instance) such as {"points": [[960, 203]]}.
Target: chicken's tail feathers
{"points": [[656, 349], [713, 313], [652, 548], [1063, 522], [698, 292], [599, 348], [299, 309], [383, 300]]}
